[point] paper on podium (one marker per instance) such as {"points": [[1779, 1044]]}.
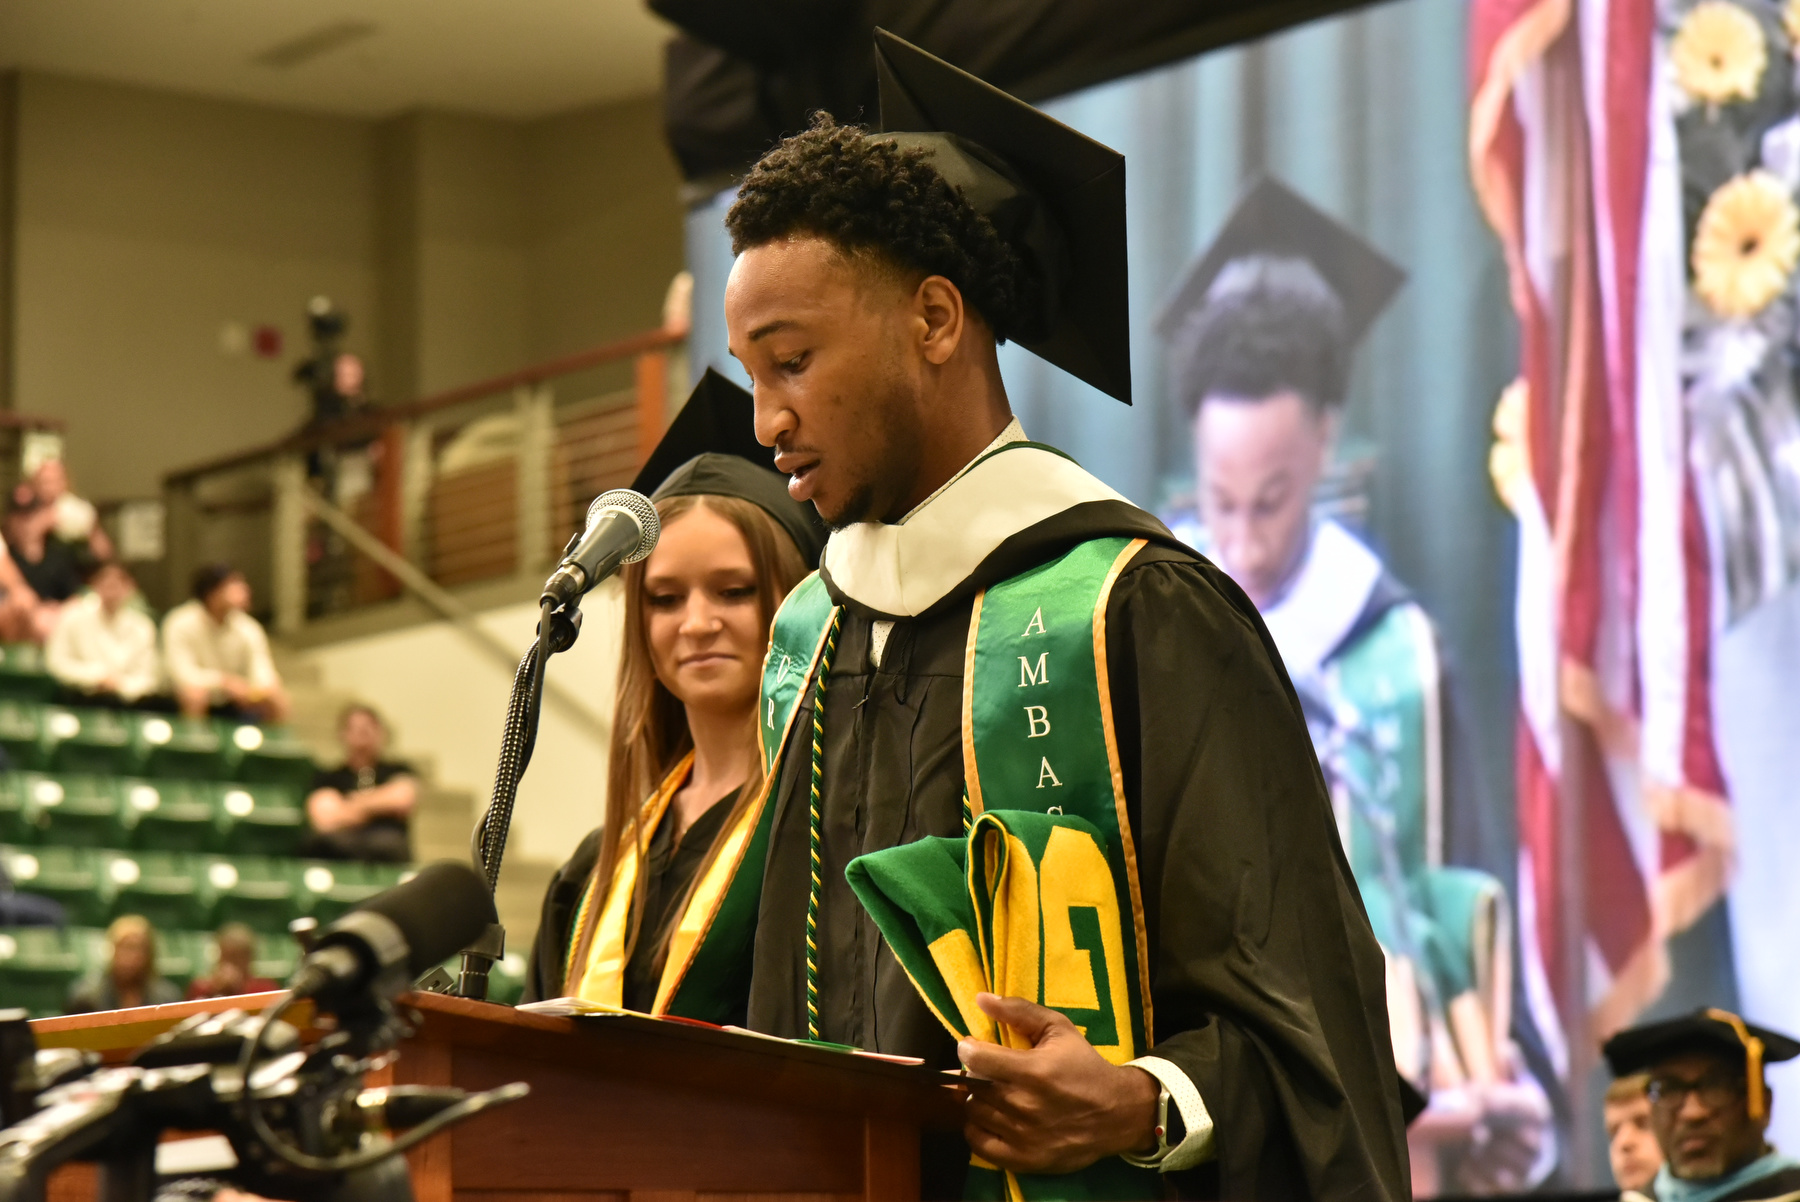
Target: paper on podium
{"points": [[570, 1007]]}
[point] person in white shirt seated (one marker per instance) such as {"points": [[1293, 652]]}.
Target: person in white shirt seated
{"points": [[217, 654], [103, 651]]}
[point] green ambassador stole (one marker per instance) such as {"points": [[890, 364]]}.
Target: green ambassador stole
{"points": [[1040, 899]]}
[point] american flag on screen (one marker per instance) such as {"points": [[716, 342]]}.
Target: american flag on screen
{"points": [[1624, 828]]}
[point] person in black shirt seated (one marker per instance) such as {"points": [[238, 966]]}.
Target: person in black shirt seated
{"points": [[360, 811], [684, 758]]}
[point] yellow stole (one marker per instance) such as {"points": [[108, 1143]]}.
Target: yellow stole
{"points": [[596, 961]]}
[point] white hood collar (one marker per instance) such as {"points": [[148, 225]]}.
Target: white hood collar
{"points": [[906, 568]]}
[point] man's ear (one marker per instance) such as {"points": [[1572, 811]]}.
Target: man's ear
{"points": [[939, 307]]}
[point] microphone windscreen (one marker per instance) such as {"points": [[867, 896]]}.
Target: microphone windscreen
{"points": [[442, 910], [642, 511]]}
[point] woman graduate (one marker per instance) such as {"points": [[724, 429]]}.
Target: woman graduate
{"points": [[684, 750]]}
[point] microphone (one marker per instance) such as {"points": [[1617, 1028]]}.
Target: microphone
{"points": [[622, 528], [387, 941]]}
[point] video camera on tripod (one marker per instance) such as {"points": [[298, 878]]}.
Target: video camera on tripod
{"points": [[299, 1120]]}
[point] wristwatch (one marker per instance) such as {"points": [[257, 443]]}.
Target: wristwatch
{"points": [[1161, 1151]]}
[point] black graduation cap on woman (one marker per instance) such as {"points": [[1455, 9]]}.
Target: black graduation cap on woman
{"points": [[1272, 235], [710, 449], [1056, 196]]}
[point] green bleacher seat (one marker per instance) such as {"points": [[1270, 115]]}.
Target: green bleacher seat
{"points": [[71, 876], [12, 809], [74, 811], [332, 887], [22, 733], [276, 957], [260, 819], [269, 755], [169, 815], [22, 673], [37, 967], [88, 740], [90, 947], [168, 888], [182, 748], [263, 893], [183, 955]]}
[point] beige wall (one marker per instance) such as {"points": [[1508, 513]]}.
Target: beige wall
{"points": [[144, 222], [462, 247], [590, 174], [446, 700]]}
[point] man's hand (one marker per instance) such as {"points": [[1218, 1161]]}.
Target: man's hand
{"points": [[1057, 1107]]}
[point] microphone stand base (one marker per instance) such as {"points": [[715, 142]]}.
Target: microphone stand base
{"points": [[478, 959]]}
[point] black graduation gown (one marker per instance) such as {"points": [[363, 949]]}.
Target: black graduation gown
{"points": [[1268, 984], [670, 867]]}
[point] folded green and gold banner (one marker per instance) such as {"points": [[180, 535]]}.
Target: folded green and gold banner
{"points": [[1024, 907]]}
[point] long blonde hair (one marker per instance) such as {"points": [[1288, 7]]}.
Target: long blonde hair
{"points": [[650, 730]]}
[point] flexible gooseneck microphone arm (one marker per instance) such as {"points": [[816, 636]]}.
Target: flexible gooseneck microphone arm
{"points": [[622, 527]]}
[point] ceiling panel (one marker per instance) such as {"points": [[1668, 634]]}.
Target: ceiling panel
{"points": [[509, 58]]}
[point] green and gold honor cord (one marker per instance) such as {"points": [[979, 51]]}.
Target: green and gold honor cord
{"points": [[815, 824]]}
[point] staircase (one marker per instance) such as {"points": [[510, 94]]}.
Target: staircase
{"points": [[444, 818]]}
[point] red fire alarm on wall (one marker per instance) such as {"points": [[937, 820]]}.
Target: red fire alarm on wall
{"points": [[265, 340]]}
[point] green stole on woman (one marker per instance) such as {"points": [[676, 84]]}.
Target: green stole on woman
{"points": [[706, 969]]}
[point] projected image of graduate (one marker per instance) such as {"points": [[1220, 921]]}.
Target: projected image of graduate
{"points": [[1261, 333]]}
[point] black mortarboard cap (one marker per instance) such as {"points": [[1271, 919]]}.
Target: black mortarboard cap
{"points": [[1708, 1030], [1056, 196], [1273, 220], [710, 449]]}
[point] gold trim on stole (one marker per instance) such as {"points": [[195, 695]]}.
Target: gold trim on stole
{"points": [[709, 894], [597, 955], [1126, 842]]}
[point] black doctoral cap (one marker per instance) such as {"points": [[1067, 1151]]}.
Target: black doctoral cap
{"points": [[1273, 222], [1056, 196], [711, 450], [1708, 1030]]}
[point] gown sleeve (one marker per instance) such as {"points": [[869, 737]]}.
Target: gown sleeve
{"points": [[562, 897], [1267, 983]]}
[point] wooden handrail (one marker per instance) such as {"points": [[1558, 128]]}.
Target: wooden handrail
{"points": [[30, 421], [371, 423]]}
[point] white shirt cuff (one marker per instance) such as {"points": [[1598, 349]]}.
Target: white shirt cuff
{"points": [[1196, 1146]]}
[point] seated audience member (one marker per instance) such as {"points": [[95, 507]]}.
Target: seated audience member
{"points": [[1709, 1106], [24, 618], [26, 909], [74, 521], [234, 947], [1630, 1143], [217, 654], [50, 566], [360, 811], [103, 650], [129, 978]]}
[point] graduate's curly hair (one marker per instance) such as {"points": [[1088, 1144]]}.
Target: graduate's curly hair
{"points": [[1270, 324], [877, 202]]}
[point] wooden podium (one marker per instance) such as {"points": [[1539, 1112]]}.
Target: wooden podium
{"points": [[622, 1109]]}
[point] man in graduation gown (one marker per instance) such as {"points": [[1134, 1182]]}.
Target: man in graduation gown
{"points": [[875, 275], [1709, 1106], [1261, 332]]}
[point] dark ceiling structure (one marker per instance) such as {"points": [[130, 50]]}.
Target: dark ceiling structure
{"points": [[742, 73]]}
